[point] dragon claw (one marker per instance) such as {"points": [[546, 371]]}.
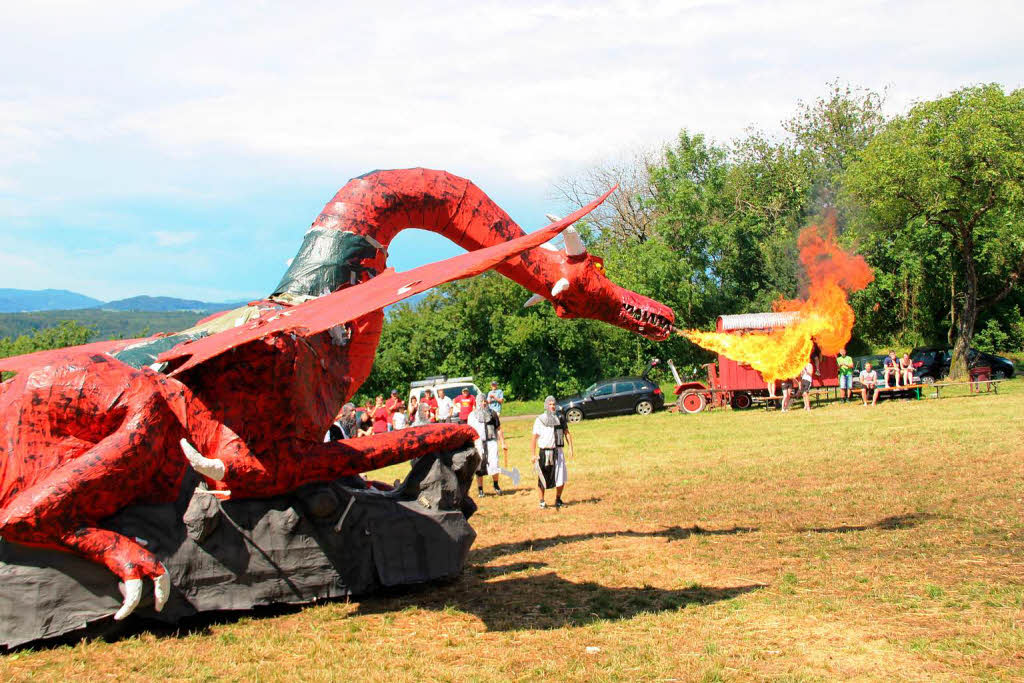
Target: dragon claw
{"points": [[132, 590], [132, 595], [161, 589], [208, 467]]}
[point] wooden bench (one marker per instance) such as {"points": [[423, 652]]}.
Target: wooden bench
{"points": [[974, 386], [816, 393]]}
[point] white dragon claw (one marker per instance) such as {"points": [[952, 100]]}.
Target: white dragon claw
{"points": [[132, 590], [208, 467], [132, 594], [161, 590]]}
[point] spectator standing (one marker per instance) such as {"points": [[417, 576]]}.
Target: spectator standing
{"points": [[394, 404], [445, 407], [423, 415], [495, 398], [380, 416], [845, 364], [868, 382], [411, 413], [465, 404], [550, 435], [399, 420], [428, 398], [786, 386], [806, 379], [364, 424]]}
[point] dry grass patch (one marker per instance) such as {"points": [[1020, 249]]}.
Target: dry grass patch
{"points": [[841, 543]]}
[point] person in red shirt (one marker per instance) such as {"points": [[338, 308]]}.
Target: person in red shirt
{"points": [[393, 405], [428, 398], [465, 405], [380, 416]]}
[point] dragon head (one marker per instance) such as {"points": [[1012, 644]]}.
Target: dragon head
{"points": [[583, 290]]}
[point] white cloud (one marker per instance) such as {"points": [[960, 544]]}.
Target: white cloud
{"points": [[527, 90], [197, 104]]}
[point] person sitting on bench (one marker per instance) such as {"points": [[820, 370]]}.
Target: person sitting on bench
{"points": [[907, 370], [891, 370], [868, 380]]}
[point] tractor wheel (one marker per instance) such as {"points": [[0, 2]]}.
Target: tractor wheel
{"points": [[692, 402], [573, 415], [741, 401], [644, 408]]}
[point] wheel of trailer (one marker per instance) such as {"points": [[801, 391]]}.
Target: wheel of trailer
{"points": [[574, 415], [741, 401], [692, 402], [644, 408]]}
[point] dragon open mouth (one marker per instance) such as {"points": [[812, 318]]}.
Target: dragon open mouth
{"points": [[645, 316]]}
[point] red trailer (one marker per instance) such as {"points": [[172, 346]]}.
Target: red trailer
{"points": [[737, 384]]}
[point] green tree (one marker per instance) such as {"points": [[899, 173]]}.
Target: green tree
{"points": [[831, 132], [949, 177], [66, 333]]}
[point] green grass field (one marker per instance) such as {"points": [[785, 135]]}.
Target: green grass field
{"points": [[848, 542]]}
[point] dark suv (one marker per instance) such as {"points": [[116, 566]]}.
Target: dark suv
{"points": [[932, 363], [616, 396]]}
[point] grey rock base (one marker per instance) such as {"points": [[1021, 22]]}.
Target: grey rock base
{"points": [[322, 541]]}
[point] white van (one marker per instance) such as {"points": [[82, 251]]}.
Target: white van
{"points": [[452, 387]]}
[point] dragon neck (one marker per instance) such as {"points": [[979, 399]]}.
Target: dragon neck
{"points": [[348, 241]]}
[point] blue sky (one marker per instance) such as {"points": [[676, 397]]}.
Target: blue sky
{"points": [[182, 148]]}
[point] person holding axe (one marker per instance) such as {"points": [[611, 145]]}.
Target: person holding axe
{"points": [[550, 435], [488, 426]]}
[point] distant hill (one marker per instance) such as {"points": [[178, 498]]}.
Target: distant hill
{"points": [[17, 300], [167, 303], [108, 324]]}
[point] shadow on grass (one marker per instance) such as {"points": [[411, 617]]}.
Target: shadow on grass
{"points": [[537, 601], [908, 521], [675, 533], [542, 601]]}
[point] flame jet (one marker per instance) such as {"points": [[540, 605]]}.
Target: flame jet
{"points": [[824, 317]]}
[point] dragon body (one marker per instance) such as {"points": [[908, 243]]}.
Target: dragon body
{"points": [[244, 397]]}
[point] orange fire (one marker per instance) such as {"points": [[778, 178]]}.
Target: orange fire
{"points": [[825, 317]]}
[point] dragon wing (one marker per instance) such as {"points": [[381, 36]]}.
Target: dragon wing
{"points": [[39, 359], [318, 315]]}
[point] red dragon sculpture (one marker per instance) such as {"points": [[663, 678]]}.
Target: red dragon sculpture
{"points": [[245, 396]]}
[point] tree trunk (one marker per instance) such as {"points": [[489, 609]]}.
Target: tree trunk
{"points": [[951, 333], [967, 317]]}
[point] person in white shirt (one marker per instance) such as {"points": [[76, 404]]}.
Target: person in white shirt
{"points": [[550, 434], [868, 382], [806, 378], [445, 407]]}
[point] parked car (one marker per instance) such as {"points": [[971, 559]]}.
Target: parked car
{"points": [[932, 363], [616, 396], [1002, 368]]}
